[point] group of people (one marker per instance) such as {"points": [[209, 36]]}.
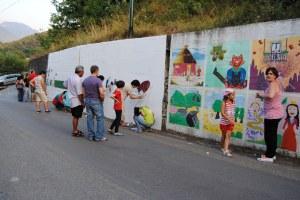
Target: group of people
{"points": [[273, 113], [90, 94], [33, 88], [23, 86]]}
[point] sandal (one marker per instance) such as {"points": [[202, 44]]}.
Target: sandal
{"points": [[80, 133], [75, 135]]}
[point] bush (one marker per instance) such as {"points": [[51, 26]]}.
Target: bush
{"points": [[12, 62]]}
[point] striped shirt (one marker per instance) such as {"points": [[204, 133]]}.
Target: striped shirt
{"points": [[229, 111]]}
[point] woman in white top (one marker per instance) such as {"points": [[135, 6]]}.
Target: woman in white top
{"points": [[40, 90]]}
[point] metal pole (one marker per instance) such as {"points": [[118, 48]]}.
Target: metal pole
{"points": [[130, 27]]}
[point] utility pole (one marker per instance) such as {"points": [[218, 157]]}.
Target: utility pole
{"points": [[130, 26]]}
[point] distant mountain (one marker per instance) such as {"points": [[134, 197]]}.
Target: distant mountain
{"points": [[10, 31]]}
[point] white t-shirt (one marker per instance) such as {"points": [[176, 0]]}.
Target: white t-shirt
{"points": [[74, 86], [38, 84], [137, 102]]}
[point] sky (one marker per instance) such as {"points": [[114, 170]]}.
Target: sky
{"points": [[34, 13]]}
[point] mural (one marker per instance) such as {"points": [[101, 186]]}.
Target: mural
{"points": [[255, 120], [289, 131], [184, 107], [288, 137], [227, 65], [284, 54], [212, 113], [109, 84], [188, 66]]}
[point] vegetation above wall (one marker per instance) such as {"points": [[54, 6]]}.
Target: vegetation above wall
{"points": [[87, 21]]}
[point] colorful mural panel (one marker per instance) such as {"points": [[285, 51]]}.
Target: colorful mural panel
{"points": [[184, 108], [212, 113], [288, 130], [284, 54], [240, 65], [227, 65], [255, 120], [187, 66], [288, 137]]}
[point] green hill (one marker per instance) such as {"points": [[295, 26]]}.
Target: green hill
{"points": [[80, 22]]}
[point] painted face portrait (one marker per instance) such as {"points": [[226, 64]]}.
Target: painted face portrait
{"points": [[292, 110], [255, 107]]}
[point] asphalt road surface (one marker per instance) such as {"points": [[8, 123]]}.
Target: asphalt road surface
{"points": [[39, 160]]}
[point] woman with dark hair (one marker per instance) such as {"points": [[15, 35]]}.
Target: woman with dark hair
{"points": [[273, 111], [26, 88], [20, 87], [136, 96]]}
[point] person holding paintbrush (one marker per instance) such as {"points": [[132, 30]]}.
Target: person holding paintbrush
{"points": [[118, 105]]}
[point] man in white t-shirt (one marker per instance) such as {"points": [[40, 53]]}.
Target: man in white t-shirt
{"points": [[74, 86]]}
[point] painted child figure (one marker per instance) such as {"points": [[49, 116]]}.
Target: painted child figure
{"points": [[290, 128], [118, 106], [227, 120]]}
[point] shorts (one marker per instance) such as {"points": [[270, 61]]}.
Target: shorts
{"points": [[41, 96], [77, 111], [226, 128]]}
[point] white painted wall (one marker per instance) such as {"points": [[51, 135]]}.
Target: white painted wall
{"points": [[142, 59]]}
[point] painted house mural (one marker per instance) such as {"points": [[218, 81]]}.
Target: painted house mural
{"points": [[187, 66], [282, 53]]}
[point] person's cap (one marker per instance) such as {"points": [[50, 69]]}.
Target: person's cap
{"points": [[228, 91]]}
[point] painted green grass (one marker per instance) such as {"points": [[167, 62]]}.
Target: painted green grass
{"points": [[237, 135], [59, 84]]}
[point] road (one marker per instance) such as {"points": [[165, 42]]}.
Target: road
{"points": [[39, 160]]}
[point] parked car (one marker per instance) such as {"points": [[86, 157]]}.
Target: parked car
{"points": [[9, 79]]}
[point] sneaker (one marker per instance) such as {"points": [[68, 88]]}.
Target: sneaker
{"points": [[134, 129], [265, 159], [139, 131], [227, 153], [103, 139], [118, 134], [110, 131]]}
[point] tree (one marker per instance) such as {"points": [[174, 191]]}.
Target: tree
{"points": [[193, 99], [75, 14], [242, 114], [178, 99], [11, 62], [217, 105], [236, 114]]}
